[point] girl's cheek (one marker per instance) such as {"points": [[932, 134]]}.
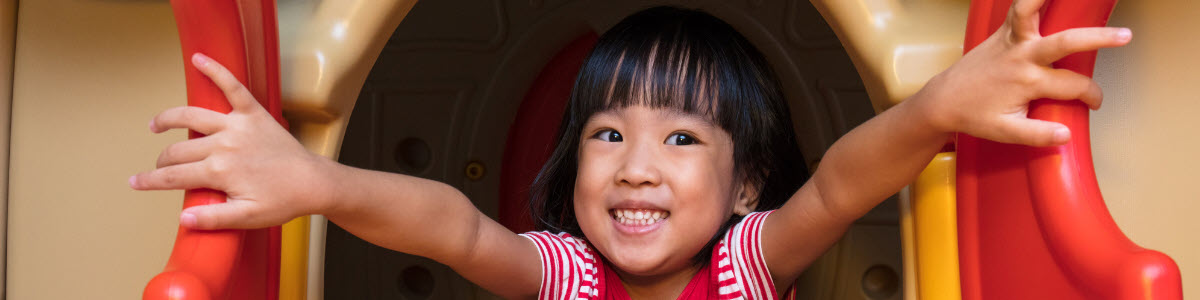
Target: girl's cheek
{"points": [[591, 175]]}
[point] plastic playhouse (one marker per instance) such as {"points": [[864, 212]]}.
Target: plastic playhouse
{"points": [[475, 105]]}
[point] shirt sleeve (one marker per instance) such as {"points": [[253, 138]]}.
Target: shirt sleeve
{"points": [[568, 266], [742, 267]]}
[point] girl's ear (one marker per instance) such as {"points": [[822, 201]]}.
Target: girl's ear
{"points": [[747, 198]]}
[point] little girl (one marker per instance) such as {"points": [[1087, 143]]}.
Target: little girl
{"points": [[676, 175]]}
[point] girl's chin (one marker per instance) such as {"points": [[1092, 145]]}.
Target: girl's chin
{"points": [[651, 269], [639, 259], [639, 266]]}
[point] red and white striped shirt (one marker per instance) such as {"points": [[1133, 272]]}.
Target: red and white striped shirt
{"points": [[571, 270]]}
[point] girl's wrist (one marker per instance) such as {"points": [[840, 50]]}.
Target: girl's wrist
{"points": [[327, 186], [938, 111], [924, 112]]}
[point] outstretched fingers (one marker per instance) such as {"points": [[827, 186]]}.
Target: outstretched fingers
{"points": [[239, 97], [1058, 45], [1063, 84], [201, 120], [187, 151], [1033, 132], [177, 177], [240, 214]]}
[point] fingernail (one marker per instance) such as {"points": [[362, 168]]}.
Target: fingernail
{"points": [[1124, 34], [187, 219], [1062, 135], [151, 125], [132, 180], [199, 59]]}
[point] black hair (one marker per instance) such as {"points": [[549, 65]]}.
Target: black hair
{"points": [[667, 57]]}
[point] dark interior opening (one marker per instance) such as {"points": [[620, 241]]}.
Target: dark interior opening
{"points": [[464, 89]]}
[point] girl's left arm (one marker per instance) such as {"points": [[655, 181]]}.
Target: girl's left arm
{"points": [[859, 171], [985, 94]]}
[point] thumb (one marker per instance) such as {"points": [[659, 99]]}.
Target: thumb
{"points": [[238, 214], [1037, 133]]}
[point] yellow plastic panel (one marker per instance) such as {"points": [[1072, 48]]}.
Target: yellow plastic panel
{"points": [[293, 256], [327, 49], [933, 205], [897, 45]]}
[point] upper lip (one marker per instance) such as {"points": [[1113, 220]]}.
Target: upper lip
{"points": [[637, 204]]}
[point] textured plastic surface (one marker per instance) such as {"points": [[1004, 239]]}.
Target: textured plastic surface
{"points": [[1032, 223], [224, 264]]}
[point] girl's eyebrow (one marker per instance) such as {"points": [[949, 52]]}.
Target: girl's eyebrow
{"points": [[708, 123], [600, 116]]}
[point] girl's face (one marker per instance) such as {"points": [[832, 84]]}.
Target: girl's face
{"points": [[654, 186]]}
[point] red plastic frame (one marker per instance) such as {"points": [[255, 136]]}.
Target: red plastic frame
{"points": [[531, 136], [1032, 222], [225, 264]]}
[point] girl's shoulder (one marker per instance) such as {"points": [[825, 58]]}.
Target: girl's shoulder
{"points": [[560, 239], [738, 263], [570, 268], [748, 230], [561, 245]]}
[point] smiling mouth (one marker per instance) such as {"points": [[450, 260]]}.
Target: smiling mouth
{"points": [[638, 217]]}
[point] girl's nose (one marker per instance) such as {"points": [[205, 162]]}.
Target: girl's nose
{"points": [[639, 167]]}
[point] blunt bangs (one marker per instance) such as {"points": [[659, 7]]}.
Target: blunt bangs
{"points": [[664, 71]]}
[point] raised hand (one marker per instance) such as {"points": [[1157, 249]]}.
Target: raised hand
{"points": [[268, 176], [987, 93]]}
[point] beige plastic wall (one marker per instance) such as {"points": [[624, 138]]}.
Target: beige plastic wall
{"points": [[89, 74], [8, 19], [1147, 135]]}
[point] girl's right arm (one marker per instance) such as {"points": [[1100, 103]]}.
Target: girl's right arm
{"points": [[431, 219], [270, 179]]}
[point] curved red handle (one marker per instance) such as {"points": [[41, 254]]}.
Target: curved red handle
{"points": [[1073, 249], [224, 264], [1066, 195]]}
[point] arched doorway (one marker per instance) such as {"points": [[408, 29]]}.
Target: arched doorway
{"points": [[443, 96]]}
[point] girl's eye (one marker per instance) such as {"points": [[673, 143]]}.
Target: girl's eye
{"points": [[680, 139], [609, 135]]}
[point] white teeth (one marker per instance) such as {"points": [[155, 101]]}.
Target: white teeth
{"points": [[639, 217]]}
